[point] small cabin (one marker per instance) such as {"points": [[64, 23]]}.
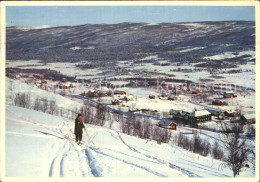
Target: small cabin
{"points": [[173, 98], [64, 80], [115, 102], [17, 77], [165, 94], [119, 92], [31, 76], [151, 96], [217, 102], [168, 125], [65, 87], [196, 92], [93, 93], [231, 114], [44, 81], [229, 94]]}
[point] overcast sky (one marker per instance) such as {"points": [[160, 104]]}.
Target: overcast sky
{"points": [[36, 16]]}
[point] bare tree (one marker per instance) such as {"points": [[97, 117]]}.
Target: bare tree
{"points": [[22, 100], [52, 106], [37, 104], [45, 104], [217, 152], [237, 152], [101, 112], [147, 127]]}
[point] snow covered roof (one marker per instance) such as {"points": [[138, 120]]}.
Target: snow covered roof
{"points": [[249, 116], [166, 123], [119, 91], [184, 113], [229, 92], [200, 113], [172, 111]]}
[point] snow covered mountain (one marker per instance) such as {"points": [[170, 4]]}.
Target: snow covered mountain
{"points": [[107, 44]]}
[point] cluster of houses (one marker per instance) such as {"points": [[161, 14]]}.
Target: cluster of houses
{"points": [[221, 102], [201, 116], [165, 96]]}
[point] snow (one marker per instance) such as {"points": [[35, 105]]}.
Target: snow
{"points": [[152, 24], [197, 25], [249, 116], [66, 68], [192, 49], [78, 48], [15, 86], [41, 27], [150, 57], [47, 149], [226, 55], [48, 141]]}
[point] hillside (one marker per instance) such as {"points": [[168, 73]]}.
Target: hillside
{"points": [[48, 140], [106, 44]]}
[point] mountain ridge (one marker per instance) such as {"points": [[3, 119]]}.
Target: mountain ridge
{"points": [[129, 41]]}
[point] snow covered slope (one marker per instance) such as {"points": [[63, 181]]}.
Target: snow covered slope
{"points": [[42, 145]]}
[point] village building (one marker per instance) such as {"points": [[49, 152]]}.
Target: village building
{"points": [[115, 102], [17, 77], [168, 125], [151, 96], [173, 97], [229, 94], [217, 102], [165, 94], [31, 76], [179, 115], [196, 92], [129, 98], [93, 93], [199, 116], [119, 92], [231, 114], [248, 118]]}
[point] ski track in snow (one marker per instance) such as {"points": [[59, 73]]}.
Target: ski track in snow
{"points": [[80, 154], [87, 163], [68, 159], [97, 150], [182, 170]]}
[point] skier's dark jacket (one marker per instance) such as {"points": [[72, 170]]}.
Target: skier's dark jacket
{"points": [[78, 127]]}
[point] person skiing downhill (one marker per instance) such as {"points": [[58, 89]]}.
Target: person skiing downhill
{"points": [[78, 128]]}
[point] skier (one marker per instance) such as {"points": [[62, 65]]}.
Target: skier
{"points": [[78, 128]]}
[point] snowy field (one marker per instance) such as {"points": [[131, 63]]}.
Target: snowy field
{"points": [[49, 142], [245, 78]]}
